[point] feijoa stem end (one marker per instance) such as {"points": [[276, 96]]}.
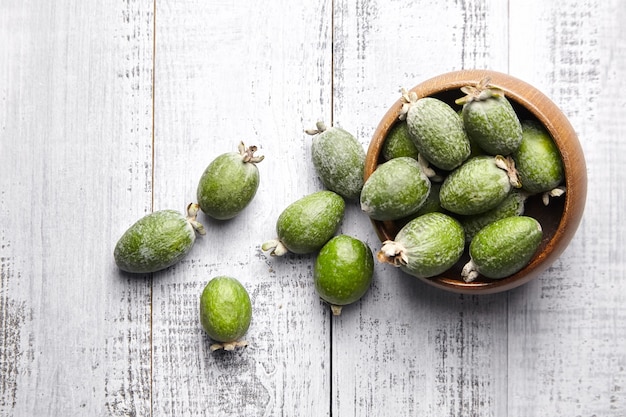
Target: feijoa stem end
{"points": [[427, 170], [248, 154], [319, 128], [556, 192], [482, 91], [469, 273], [508, 164], [192, 214], [336, 309], [228, 346], [407, 98], [276, 247], [392, 253]]}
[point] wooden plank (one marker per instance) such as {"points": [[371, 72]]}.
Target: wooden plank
{"points": [[77, 337], [75, 137], [258, 73], [567, 333], [406, 348]]}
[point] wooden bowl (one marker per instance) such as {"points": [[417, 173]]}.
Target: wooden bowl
{"points": [[559, 219]]}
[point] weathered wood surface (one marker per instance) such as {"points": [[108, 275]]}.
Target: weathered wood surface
{"points": [[110, 111]]}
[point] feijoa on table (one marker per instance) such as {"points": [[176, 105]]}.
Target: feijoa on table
{"points": [[157, 240]]}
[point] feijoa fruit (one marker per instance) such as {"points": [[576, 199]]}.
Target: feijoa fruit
{"points": [[343, 271], [426, 246], [339, 160], [538, 160], [229, 183], [480, 184], [225, 312], [502, 248], [436, 129], [307, 224], [490, 120], [398, 143], [396, 189], [157, 240]]}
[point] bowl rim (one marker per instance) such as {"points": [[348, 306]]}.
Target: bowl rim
{"points": [[563, 134]]}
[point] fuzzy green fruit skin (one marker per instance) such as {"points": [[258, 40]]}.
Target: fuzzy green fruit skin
{"points": [[343, 270], [432, 203], [437, 132], [399, 143], [475, 187], [227, 186], [339, 160], [493, 125], [433, 243], [156, 241], [513, 205], [308, 223], [396, 189], [225, 309], [538, 160], [504, 247]]}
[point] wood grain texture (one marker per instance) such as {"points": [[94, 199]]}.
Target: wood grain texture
{"points": [[86, 149], [567, 332], [261, 74], [75, 113], [408, 349]]}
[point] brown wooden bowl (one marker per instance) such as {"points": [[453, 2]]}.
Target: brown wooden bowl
{"points": [[559, 219]]}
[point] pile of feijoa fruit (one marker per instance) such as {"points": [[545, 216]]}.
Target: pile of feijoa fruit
{"points": [[482, 163], [456, 178]]}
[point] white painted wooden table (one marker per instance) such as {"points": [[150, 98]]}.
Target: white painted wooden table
{"points": [[109, 110]]}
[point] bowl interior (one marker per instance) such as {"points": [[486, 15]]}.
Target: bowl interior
{"points": [[559, 219]]}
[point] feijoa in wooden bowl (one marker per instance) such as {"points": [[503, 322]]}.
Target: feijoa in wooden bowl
{"points": [[559, 219]]}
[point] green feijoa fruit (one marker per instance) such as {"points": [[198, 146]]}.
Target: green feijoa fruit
{"points": [[480, 184], [339, 160], [399, 143], [229, 183], [489, 119], [432, 203], [225, 312], [343, 271], [538, 160], [437, 131], [426, 246], [397, 188], [513, 205], [307, 224], [502, 248], [157, 240]]}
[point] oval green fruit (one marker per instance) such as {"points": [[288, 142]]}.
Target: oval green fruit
{"points": [[426, 246], [343, 271], [157, 241], [513, 205], [339, 160], [480, 184], [490, 120], [229, 183], [396, 189], [307, 224], [502, 248], [538, 160], [399, 143], [225, 312], [437, 131]]}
